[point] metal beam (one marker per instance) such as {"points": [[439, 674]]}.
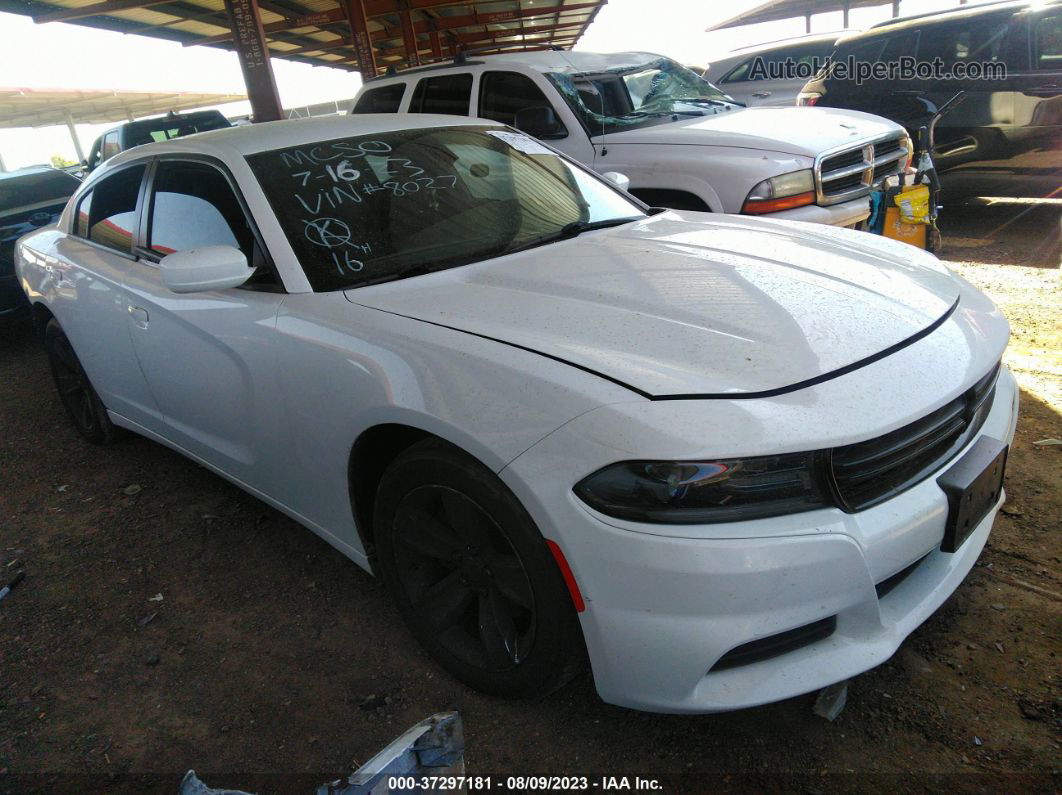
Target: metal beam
{"points": [[409, 39], [441, 24], [94, 10], [359, 30], [253, 52]]}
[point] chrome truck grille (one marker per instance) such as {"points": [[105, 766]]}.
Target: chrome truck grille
{"points": [[850, 172]]}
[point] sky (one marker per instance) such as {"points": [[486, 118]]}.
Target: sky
{"points": [[57, 55]]}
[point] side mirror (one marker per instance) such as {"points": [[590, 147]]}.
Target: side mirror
{"points": [[541, 122], [621, 181], [203, 269]]}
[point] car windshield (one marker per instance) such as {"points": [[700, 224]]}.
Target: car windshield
{"points": [[371, 208], [652, 91]]}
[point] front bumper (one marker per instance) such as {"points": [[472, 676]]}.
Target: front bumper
{"points": [[662, 610], [847, 213]]}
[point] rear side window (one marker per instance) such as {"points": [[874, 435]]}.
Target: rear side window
{"points": [[451, 94], [111, 211], [502, 94], [194, 206], [385, 99], [812, 55], [976, 39], [1047, 43]]}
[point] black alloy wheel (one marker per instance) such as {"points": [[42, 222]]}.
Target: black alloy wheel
{"points": [[472, 576], [76, 392]]}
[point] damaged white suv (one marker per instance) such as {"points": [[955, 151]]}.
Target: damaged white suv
{"points": [[683, 143]]}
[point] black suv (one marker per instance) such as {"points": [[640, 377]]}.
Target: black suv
{"points": [[1005, 138]]}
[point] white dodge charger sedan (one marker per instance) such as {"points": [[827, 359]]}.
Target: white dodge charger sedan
{"points": [[730, 460]]}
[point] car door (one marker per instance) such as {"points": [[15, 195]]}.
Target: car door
{"points": [[207, 356], [90, 266], [1035, 164], [504, 95]]}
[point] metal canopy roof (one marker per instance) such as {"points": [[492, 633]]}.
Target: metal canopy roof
{"points": [[318, 31], [39, 107], [774, 10]]}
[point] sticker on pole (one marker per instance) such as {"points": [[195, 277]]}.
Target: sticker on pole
{"points": [[520, 142]]}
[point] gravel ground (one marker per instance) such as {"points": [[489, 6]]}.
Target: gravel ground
{"points": [[169, 621]]}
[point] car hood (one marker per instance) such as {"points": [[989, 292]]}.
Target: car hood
{"points": [[678, 305], [795, 131]]}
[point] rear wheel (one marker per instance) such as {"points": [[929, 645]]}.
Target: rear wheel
{"points": [[472, 575], [76, 392]]}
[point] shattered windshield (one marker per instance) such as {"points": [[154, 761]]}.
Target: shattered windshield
{"points": [[652, 92]]}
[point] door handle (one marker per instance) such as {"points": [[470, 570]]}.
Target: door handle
{"points": [[761, 94], [139, 316]]}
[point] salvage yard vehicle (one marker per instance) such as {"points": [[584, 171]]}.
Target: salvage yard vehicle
{"points": [[146, 131], [682, 142], [759, 75], [29, 199], [1005, 139], [733, 459]]}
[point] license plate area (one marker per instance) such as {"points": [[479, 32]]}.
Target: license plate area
{"points": [[973, 485]]}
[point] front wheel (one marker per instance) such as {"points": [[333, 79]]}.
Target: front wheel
{"points": [[76, 392], [472, 576]]}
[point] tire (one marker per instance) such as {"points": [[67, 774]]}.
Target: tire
{"points": [[76, 392], [472, 576]]}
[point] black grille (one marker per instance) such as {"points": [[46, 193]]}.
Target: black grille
{"points": [[843, 160], [886, 585], [869, 472], [775, 645]]}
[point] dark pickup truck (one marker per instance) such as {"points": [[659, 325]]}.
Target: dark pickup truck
{"points": [[146, 131]]}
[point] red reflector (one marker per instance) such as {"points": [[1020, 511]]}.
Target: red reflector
{"points": [[569, 578], [761, 206]]}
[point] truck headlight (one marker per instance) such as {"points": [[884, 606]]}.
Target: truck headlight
{"points": [[703, 492], [784, 192]]}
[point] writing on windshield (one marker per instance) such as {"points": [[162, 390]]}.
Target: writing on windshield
{"points": [[372, 208]]}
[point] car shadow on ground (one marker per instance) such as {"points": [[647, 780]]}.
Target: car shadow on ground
{"points": [[1003, 231]]}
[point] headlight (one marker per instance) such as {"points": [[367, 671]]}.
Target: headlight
{"points": [[795, 189], [702, 492]]}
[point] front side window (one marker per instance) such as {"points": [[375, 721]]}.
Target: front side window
{"points": [[385, 99], [386, 206], [1047, 43], [639, 94], [194, 206], [450, 94], [503, 94], [111, 210]]}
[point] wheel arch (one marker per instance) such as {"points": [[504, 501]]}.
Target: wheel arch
{"points": [[41, 315]]}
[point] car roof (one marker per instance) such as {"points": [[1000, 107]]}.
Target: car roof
{"points": [[777, 44], [947, 15], [549, 61], [32, 171], [265, 136]]}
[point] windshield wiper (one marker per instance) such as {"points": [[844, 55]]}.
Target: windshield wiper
{"points": [[574, 229], [656, 113]]}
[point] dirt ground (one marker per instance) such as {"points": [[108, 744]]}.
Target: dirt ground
{"points": [[169, 621]]}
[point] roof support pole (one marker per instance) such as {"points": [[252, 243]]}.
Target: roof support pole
{"points": [[359, 29], [251, 49], [845, 11], [807, 23], [409, 38], [436, 45], [73, 136], [895, 8]]}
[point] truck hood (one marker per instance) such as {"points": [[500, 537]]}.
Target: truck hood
{"points": [[677, 305], [794, 131]]}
